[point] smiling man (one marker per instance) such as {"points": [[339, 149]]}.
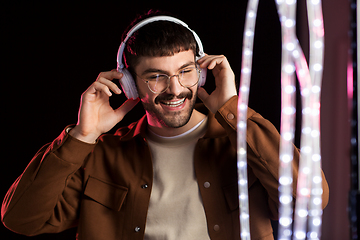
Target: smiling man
{"points": [[171, 175]]}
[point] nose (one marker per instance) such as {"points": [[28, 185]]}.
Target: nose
{"points": [[174, 86]]}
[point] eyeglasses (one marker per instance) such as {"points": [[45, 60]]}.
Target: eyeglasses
{"points": [[159, 83]]}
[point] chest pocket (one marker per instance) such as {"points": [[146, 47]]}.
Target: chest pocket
{"points": [[107, 194]]}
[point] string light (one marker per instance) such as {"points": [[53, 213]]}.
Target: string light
{"points": [[309, 183], [287, 11], [308, 203], [242, 118], [315, 21]]}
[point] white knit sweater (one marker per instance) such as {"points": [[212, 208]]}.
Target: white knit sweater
{"points": [[176, 211]]}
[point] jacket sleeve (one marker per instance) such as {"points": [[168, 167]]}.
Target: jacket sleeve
{"points": [[45, 198], [263, 142]]}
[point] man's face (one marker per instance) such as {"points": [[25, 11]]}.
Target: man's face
{"points": [[172, 108]]}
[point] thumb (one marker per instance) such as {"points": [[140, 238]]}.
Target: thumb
{"points": [[126, 107], [209, 101], [203, 95]]}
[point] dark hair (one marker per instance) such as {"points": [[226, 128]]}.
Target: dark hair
{"points": [[159, 38]]}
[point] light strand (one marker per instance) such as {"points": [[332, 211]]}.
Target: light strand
{"points": [[309, 189], [244, 89], [308, 209], [287, 127], [316, 34]]}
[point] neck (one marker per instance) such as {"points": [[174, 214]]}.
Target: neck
{"points": [[165, 131]]}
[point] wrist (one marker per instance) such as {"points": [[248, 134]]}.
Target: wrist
{"points": [[84, 137]]}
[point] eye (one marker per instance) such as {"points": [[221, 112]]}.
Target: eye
{"points": [[187, 70], [157, 77], [153, 77]]}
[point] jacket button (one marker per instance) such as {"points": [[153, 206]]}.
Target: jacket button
{"points": [[144, 186], [230, 116], [206, 184], [216, 228], [137, 229]]}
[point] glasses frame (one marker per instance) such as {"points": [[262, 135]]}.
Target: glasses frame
{"points": [[169, 78]]}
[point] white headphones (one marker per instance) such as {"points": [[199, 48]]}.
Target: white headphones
{"points": [[127, 82]]}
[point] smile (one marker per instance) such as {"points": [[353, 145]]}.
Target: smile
{"points": [[174, 103]]}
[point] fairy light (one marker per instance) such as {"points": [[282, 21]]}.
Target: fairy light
{"points": [[315, 21], [309, 189], [287, 10], [308, 209], [308, 204], [243, 100]]}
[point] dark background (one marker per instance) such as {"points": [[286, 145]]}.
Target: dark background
{"points": [[51, 52]]}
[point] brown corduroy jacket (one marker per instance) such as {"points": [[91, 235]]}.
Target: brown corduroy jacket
{"points": [[103, 189]]}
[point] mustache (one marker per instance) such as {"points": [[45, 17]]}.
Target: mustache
{"points": [[166, 97]]}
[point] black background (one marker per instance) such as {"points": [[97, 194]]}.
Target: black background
{"points": [[51, 52]]}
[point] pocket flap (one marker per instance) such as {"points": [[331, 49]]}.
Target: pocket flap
{"points": [[108, 194]]}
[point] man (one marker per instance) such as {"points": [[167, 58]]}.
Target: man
{"points": [[172, 174]]}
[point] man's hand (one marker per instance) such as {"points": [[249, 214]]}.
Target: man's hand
{"points": [[224, 82], [96, 116]]}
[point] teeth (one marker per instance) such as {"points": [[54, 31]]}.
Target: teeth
{"points": [[174, 104]]}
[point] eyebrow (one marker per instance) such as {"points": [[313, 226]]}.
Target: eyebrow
{"points": [[155, 70]]}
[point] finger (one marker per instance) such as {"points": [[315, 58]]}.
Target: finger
{"points": [[202, 59], [100, 87], [113, 74], [212, 61], [205, 60], [126, 107], [109, 84]]}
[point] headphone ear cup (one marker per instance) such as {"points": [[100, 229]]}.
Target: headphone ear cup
{"points": [[128, 84], [203, 72], [202, 78]]}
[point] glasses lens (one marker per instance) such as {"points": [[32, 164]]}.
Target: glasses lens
{"points": [[158, 84], [188, 77]]}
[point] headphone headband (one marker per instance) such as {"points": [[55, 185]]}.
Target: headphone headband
{"points": [[150, 20], [127, 82]]}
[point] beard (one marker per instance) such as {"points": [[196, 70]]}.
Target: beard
{"points": [[175, 119]]}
